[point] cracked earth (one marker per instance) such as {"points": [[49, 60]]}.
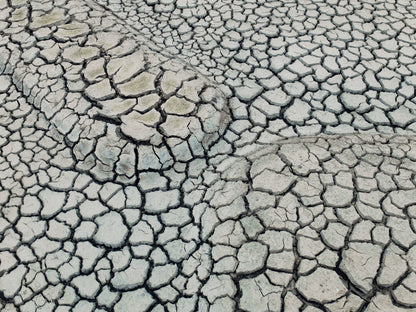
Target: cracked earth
{"points": [[160, 155]]}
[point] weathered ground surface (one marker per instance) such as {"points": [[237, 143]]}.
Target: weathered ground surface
{"points": [[207, 156]]}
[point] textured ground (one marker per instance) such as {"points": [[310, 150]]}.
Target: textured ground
{"points": [[207, 156]]}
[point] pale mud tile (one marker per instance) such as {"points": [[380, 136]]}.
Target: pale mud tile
{"points": [[77, 54], [56, 17], [321, 286], [139, 85]]}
